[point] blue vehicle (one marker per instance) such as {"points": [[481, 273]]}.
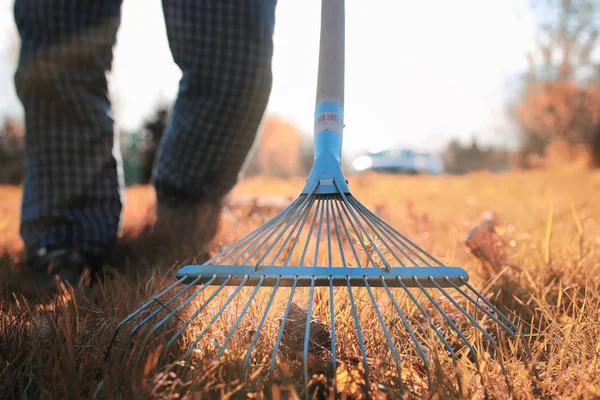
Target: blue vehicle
{"points": [[400, 161]]}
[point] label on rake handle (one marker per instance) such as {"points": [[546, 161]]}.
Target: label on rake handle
{"points": [[329, 121]]}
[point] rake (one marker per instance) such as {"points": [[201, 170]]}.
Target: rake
{"points": [[324, 245]]}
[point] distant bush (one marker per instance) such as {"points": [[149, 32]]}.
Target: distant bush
{"points": [[561, 115], [152, 132], [561, 154], [12, 154], [461, 159], [282, 151]]}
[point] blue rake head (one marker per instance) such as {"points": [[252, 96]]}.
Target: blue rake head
{"points": [[330, 253]]}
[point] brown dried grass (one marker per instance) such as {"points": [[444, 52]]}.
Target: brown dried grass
{"points": [[548, 277]]}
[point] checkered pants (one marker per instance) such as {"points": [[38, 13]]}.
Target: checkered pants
{"points": [[73, 190]]}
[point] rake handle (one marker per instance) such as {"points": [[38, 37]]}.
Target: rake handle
{"points": [[326, 175], [329, 107], [330, 81]]}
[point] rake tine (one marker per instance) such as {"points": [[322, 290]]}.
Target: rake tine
{"points": [[378, 231], [489, 304], [452, 325], [283, 322], [184, 303], [518, 331], [249, 238], [383, 225], [387, 336], [408, 329], [259, 327], [464, 312], [307, 334], [395, 231], [171, 313], [364, 246], [194, 316], [166, 318], [406, 324], [341, 218], [297, 238], [287, 219], [305, 202], [252, 235], [337, 233], [361, 342], [238, 249], [310, 231], [387, 234], [302, 220], [239, 318], [216, 316], [329, 253], [332, 311], [446, 317], [347, 204], [477, 325], [138, 311], [370, 225], [436, 329], [166, 303], [318, 241], [173, 339], [481, 308]]}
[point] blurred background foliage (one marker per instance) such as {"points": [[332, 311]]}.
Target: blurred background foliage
{"points": [[556, 107]]}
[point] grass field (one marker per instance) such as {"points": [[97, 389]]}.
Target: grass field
{"points": [[541, 266]]}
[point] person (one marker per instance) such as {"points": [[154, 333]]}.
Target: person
{"points": [[73, 192]]}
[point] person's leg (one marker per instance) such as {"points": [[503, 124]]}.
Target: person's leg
{"points": [[72, 195], [224, 49]]}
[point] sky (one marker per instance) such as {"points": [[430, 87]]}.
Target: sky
{"points": [[418, 73]]}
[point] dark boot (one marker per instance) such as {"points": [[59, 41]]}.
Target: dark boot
{"points": [[174, 235], [53, 271], [187, 231]]}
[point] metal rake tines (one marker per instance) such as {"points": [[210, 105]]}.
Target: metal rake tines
{"points": [[323, 230], [379, 295], [381, 324]]}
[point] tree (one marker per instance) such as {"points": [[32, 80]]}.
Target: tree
{"points": [[12, 154], [560, 110], [153, 131], [280, 151], [459, 159], [566, 36], [560, 100]]}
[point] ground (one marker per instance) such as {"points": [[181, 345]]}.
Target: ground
{"points": [[529, 240]]}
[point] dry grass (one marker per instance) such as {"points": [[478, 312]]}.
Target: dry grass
{"points": [[546, 276]]}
